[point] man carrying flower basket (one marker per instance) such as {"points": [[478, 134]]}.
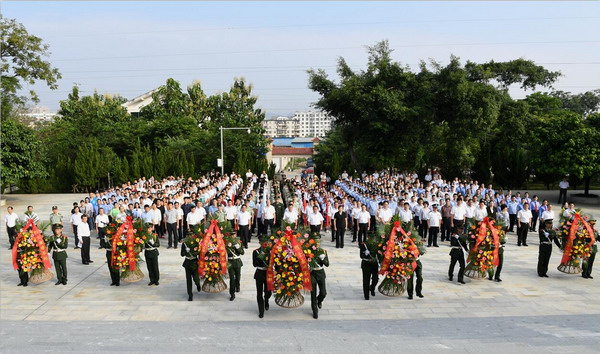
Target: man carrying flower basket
{"points": [[58, 244], [113, 269], [589, 262], [190, 250], [458, 242], [317, 275], [260, 260], [235, 250], [547, 236], [151, 254], [370, 260]]}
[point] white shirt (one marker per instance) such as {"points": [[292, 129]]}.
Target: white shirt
{"points": [[470, 211], [548, 215], [83, 230], [315, 218], [459, 211], [179, 214], [230, 212], [568, 214], [385, 214], [194, 218], [269, 212], [102, 220], [405, 215], [11, 219], [434, 219], [355, 212], [76, 219], [290, 216], [524, 216], [480, 214], [563, 185], [243, 218], [364, 217]]}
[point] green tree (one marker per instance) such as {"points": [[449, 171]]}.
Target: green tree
{"points": [[23, 61], [21, 153], [87, 164]]}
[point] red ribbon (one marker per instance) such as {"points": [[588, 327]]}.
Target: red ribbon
{"points": [[205, 243], [298, 253], [129, 243], [390, 245], [572, 231], [484, 225], [36, 235]]}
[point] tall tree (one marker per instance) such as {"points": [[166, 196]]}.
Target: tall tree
{"points": [[21, 153]]}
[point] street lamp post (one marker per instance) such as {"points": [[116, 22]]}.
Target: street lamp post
{"points": [[222, 158]]}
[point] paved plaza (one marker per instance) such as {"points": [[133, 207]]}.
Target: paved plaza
{"points": [[523, 313]]}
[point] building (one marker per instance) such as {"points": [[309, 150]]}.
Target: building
{"points": [[38, 115], [134, 105], [313, 123], [303, 124], [281, 127], [282, 151]]}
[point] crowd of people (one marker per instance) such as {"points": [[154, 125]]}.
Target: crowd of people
{"points": [[349, 208]]}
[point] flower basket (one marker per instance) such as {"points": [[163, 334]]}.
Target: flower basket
{"points": [[38, 277], [132, 276], [484, 240], [391, 289], [289, 301], [474, 273], [578, 239], [214, 287], [569, 268]]}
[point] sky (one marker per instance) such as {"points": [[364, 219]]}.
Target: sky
{"points": [[130, 48]]}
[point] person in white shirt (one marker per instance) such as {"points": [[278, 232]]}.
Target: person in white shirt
{"points": [[481, 212], [355, 212], [364, 223], [524, 218], [10, 220], [423, 217], [405, 213], [458, 215], [548, 214], [156, 218], [30, 214], [101, 223], [75, 223], [243, 221], [385, 214], [230, 213], [83, 234], [315, 220], [562, 195], [194, 218], [569, 213], [290, 216], [434, 221], [268, 217], [202, 211]]}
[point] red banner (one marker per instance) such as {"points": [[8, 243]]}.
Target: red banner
{"points": [[37, 236], [572, 233], [126, 226], [205, 243], [271, 270], [484, 225]]}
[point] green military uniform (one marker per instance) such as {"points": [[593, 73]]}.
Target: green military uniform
{"points": [[418, 272], [55, 220], [58, 245], [234, 254], [588, 263], [151, 254], [221, 216], [317, 277], [190, 263], [494, 273], [547, 236], [370, 269], [115, 273], [458, 242], [260, 260], [279, 210]]}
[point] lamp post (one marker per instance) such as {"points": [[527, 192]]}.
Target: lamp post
{"points": [[222, 159]]}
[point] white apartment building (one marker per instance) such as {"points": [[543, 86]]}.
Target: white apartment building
{"points": [[313, 123], [276, 127]]}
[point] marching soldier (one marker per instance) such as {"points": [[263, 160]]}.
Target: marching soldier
{"points": [[494, 274], [458, 243], [317, 277], [234, 255], [58, 244], [56, 218], [418, 272], [260, 260], [115, 273], [190, 263], [588, 264], [547, 236], [151, 254], [370, 270], [279, 210]]}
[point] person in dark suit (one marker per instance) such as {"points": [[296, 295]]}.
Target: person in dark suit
{"points": [[370, 269], [458, 243], [547, 236]]}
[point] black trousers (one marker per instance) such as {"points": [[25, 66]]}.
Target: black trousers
{"points": [[421, 227], [457, 256], [268, 223], [152, 264], [173, 237], [339, 237], [562, 195], [61, 269], [433, 234], [75, 236], [512, 221], [12, 234], [496, 274], [544, 258], [370, 277], [425, 229], [191, 274], [315, 228], [85, 250], [354, 229], [115, 275], [232, 223], [180, 231], [260, 229], [362, 232], [446, 229], [244, 234], [588, 265], [522, 234], [24, 277], [332, 232], [410, 283], [534, 219], [262, 294], [235, 272], [373, 223], [317, 277], [458, 223], [101, 234]]}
